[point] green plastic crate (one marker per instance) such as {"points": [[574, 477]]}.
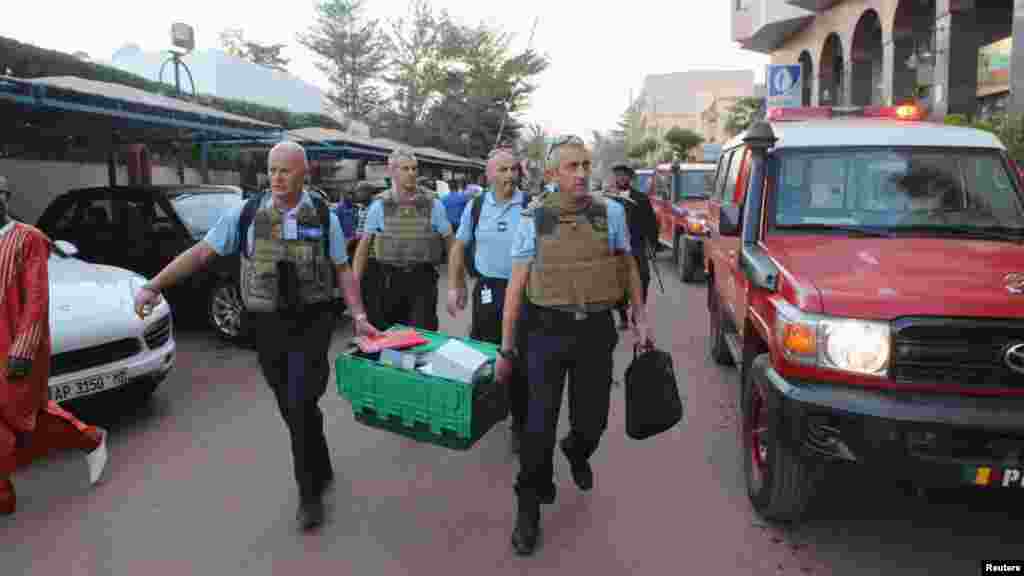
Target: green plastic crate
{"points": [[425, 408]]}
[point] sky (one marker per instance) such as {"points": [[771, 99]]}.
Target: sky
{"points": [[599, 52]]}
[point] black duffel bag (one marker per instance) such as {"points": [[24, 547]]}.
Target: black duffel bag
{"points": [[653, 404]]}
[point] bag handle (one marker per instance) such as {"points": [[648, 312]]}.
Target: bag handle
{"points": [[646, 346]]}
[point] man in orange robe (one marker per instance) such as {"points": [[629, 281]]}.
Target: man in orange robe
{"points": [[31, 426]]}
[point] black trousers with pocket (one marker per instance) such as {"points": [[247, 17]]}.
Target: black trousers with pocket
{"points": [[558, 345], [405, 296], [292, 352]]}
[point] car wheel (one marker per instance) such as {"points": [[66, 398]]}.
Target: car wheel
{"points": [[779, 482], [225, 310], [717, 347]]}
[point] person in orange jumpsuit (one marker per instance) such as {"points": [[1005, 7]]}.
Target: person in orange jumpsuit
{"points": [[31, 426]]}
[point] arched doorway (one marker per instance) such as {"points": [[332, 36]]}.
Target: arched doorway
{"points": [[911, 27], [866, 61], [830, 72], [806, 71]]}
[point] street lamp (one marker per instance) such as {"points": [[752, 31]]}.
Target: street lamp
{"points": [[183, 41]]}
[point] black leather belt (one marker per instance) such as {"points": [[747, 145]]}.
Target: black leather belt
{"points": [[501, 283], [553, 319], [411, 267]]}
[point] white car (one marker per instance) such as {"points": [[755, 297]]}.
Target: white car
{"points": [[98, 343]]}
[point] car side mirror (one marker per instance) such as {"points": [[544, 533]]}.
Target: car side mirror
{"points": [[66, 248], [730, 220]]}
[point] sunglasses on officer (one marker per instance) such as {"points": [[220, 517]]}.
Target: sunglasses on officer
{"points": [[565, 141]]}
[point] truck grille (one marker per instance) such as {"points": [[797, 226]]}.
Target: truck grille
{"points": [[158, 334], [967, 352], [84, 358]]}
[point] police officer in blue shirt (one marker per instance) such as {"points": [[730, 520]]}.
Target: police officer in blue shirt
{"points": [[403, 241], [292, 254], [571, 260], [484, 247]]}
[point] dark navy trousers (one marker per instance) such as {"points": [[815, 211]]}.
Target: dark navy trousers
{"points": [[293, 357], [557, 346]]}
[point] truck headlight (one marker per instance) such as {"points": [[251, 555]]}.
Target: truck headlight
{"points": [[844, 344], [697, 225]]}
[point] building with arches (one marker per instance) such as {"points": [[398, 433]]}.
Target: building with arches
{"points": [[953, 56]]}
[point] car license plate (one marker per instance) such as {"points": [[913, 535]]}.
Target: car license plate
{"points": [[995, 476], [88, 386]]}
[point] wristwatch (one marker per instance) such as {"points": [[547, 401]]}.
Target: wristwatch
{"points": [[512, 354]]}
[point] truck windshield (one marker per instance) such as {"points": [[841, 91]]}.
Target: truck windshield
{"points": [[928, 191], [695, 184], [642, 182]]}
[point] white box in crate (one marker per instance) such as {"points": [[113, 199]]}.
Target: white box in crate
{"points": [[456, 361]]}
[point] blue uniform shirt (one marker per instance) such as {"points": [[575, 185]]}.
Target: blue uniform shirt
{"points": [[438, 219], [525, 246], [455, 205], [495, 233], [223, 237], [346, 212]]}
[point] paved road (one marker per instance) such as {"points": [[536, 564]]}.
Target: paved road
{"points": [[200, 484]]}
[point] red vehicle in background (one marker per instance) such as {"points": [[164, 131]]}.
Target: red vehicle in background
{"points": [[679, 195], [866, 277]]}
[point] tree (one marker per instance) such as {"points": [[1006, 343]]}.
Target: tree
{"points": [[269, 55], [742, 114], [643, 149], [681, 141], [353, 54], [421, 47], [627, 124], [454, 80]]}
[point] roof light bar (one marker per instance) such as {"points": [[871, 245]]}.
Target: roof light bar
{"points": [[904, 112]]}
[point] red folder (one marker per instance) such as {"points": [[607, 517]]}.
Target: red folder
{"points": [[396, 340]]}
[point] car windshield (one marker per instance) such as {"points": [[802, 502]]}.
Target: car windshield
{"points": [[201, 211], [932, 191], [695, 184]]}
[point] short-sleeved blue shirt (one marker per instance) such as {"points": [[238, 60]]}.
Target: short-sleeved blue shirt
{"points": [[223, 237], [438, 218], [495, 233], [525, 247]]}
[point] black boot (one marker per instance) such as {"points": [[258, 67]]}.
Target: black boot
{"points": [[582, 473], [527, 530], [311, 515]]}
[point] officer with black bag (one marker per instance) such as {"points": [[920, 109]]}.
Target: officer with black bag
{"points": [[292, 253], [571, 262], [403, 242], [483, 247]]}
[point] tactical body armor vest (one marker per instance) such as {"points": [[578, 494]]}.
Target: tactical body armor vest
{"points": [[574, 269], [408, 237], [285, 275]]}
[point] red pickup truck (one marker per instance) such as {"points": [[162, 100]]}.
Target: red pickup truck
{"points": [[867, 276], [679, 196]]}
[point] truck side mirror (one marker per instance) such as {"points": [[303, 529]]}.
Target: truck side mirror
{"points": [[729, 222]]}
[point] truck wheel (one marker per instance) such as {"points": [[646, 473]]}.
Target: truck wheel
{"points": [[716, 332], [687, 264], [779, 482]]}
